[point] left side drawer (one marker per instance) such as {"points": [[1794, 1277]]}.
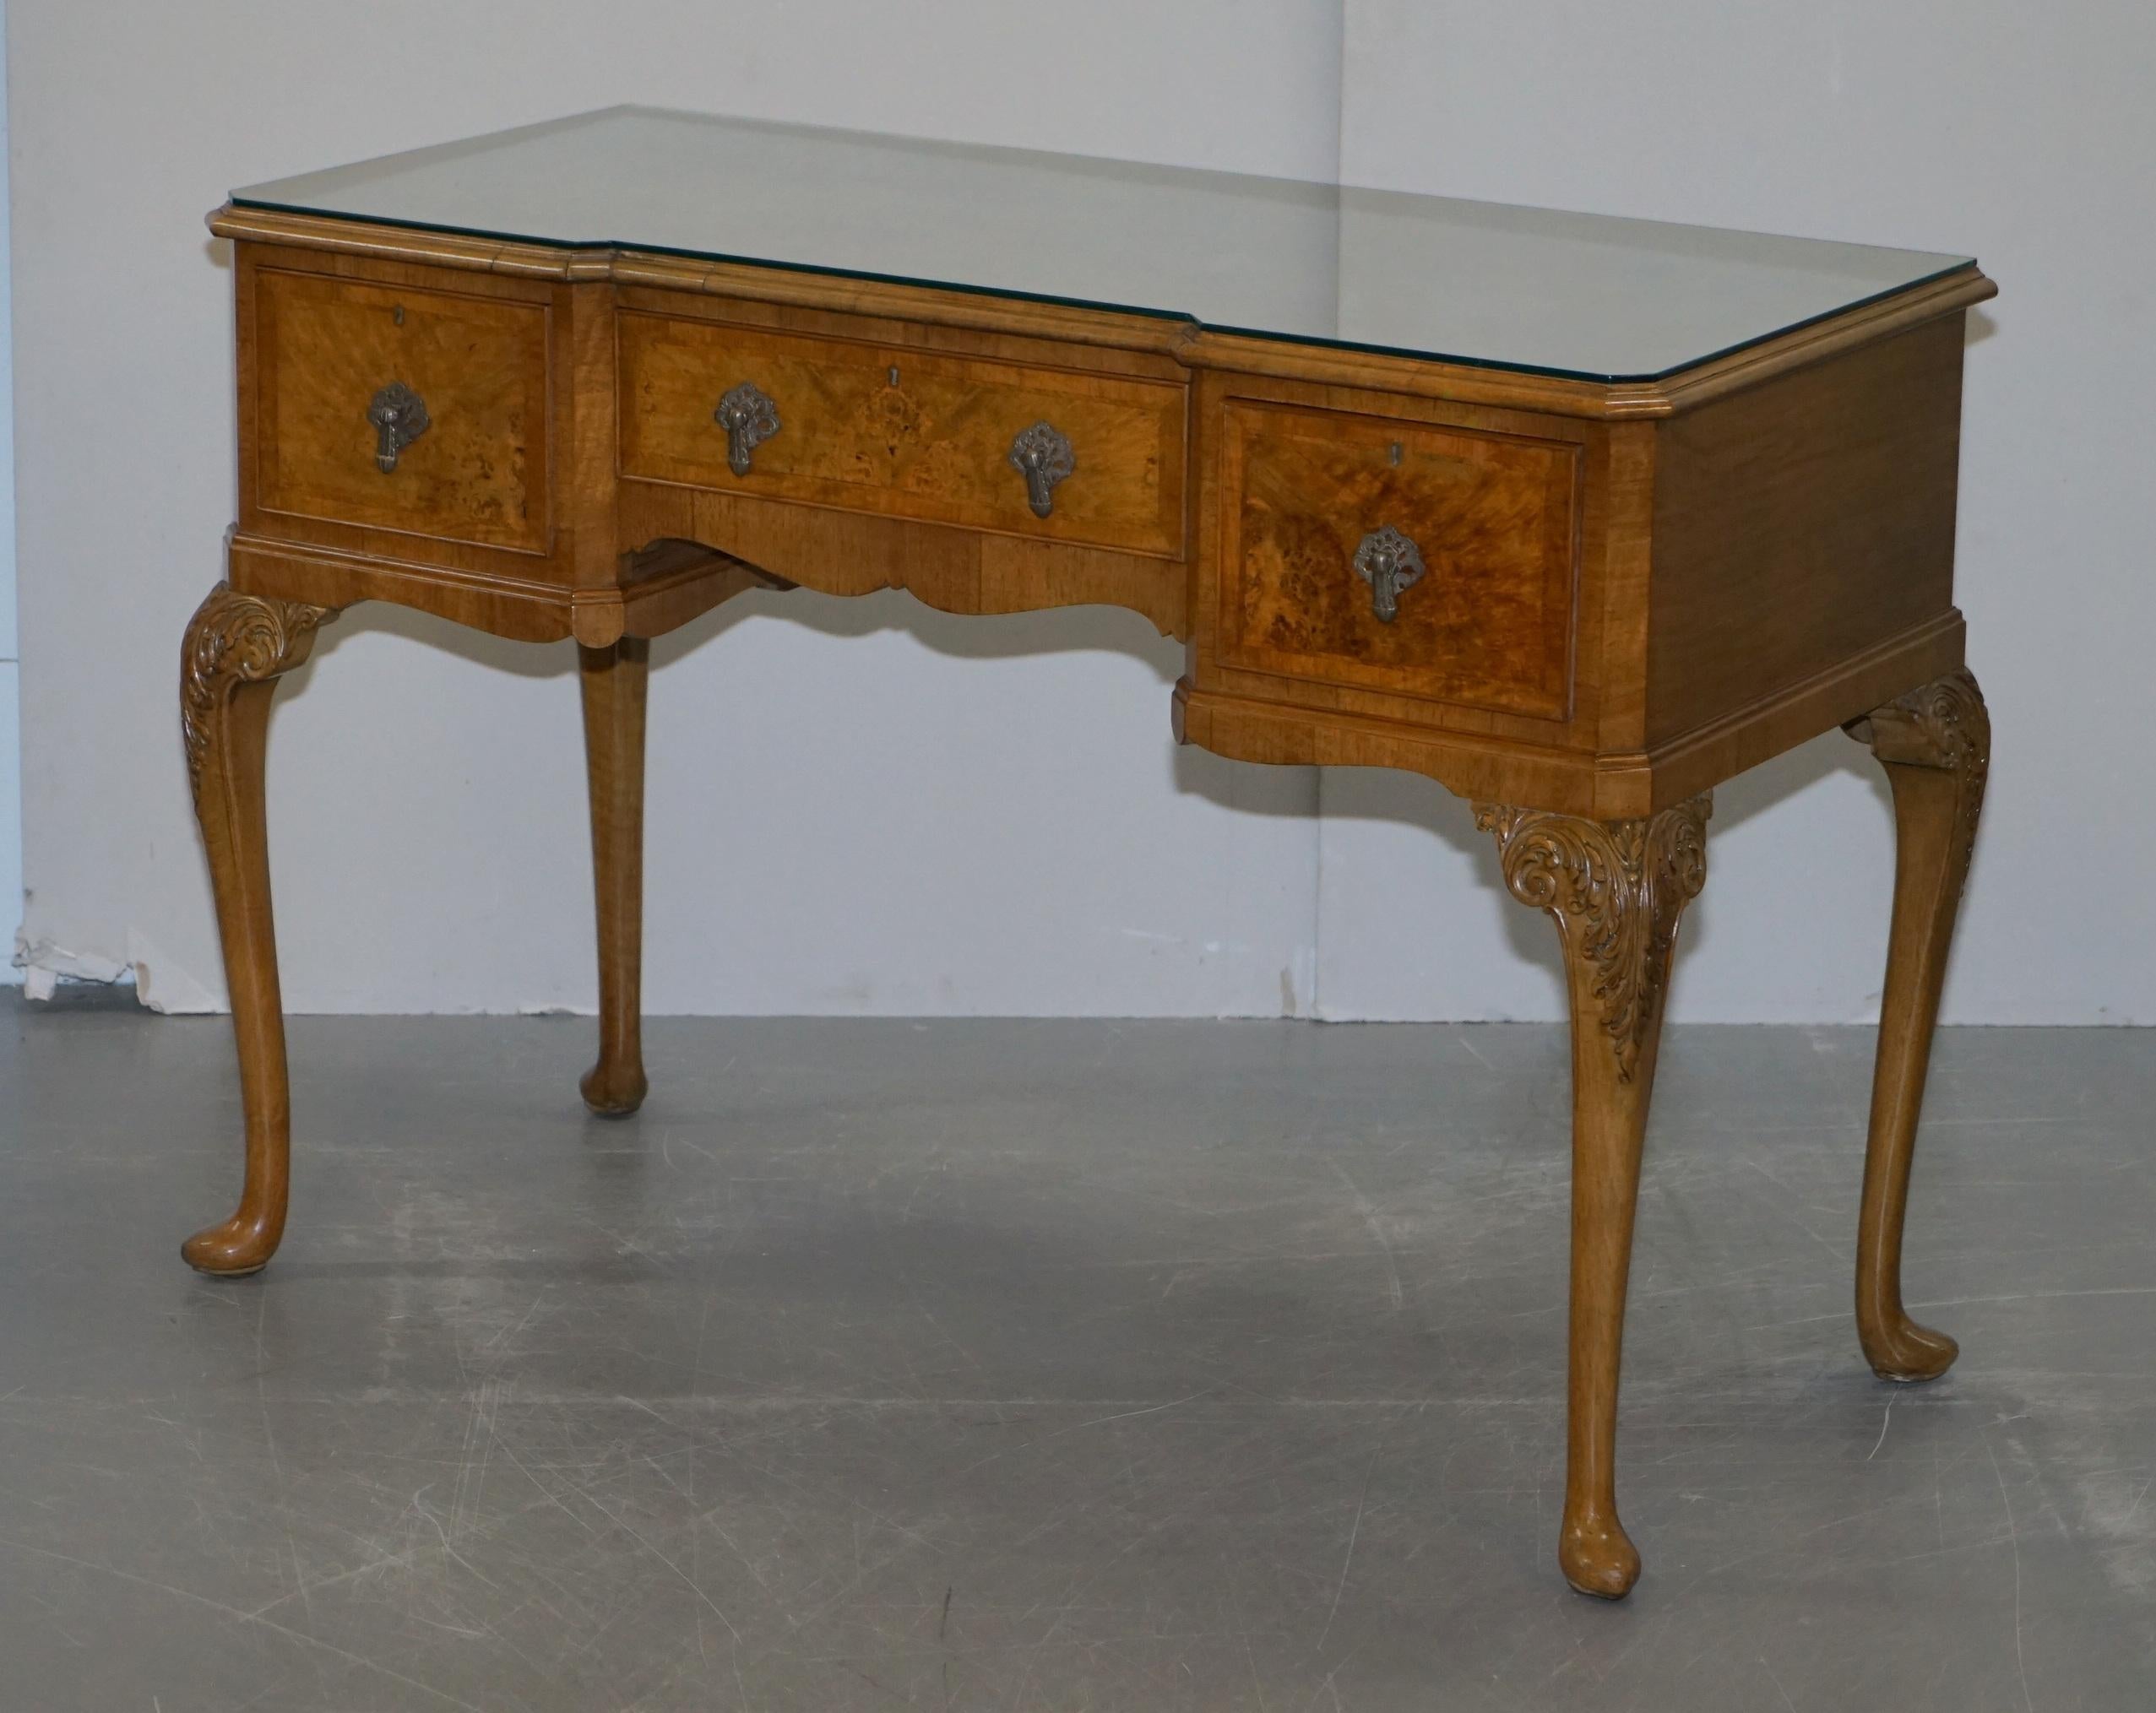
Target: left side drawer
{"points": [[334, 355]]}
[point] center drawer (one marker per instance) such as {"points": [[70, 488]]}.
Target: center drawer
{"points": [[901, 432]]}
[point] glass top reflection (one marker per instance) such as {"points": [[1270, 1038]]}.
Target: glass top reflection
{"points": [[1584, 295]]}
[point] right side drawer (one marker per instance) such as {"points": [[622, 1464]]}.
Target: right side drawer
{"points": [[1403, 557]]}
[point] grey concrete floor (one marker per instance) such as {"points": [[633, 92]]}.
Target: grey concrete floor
{"points": [[1057, 1365]]}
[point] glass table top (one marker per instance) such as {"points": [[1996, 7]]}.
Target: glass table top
{"points": [[1585, 296]]}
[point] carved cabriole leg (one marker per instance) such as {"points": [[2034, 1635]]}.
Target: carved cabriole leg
{"points": [[1616, 891], [1936, 744], [614, 681], [237, 647]]}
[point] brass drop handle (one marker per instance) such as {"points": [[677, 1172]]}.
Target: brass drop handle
{"points": [[1389, 562], [750, 418], [399, 417], [1042, 454]]}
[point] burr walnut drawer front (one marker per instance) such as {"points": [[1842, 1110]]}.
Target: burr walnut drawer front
{"points": [[388, 408], [1057, 454], [1408, 558]]}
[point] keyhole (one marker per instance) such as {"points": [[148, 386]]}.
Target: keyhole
{"points": [[1396, 452], [891, 375], [397, 315]]}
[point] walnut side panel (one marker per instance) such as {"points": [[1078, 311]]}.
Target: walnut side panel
{"points": [[1800, 524]]}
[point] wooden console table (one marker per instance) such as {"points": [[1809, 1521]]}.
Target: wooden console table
{"points": [[1577, 516]]}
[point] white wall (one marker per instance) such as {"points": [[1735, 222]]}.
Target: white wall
{"points": [[854, 806], [2023, 134], [867, 806]]}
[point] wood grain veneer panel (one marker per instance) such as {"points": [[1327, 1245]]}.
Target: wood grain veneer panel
{"points": [[1801, 523], [323, 347], [851, 553], [1496, 518], [933, 444]]}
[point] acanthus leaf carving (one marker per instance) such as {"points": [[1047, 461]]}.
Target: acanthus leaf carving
{"points": [[233, 639], [1616, 891], [1945, 725]]}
